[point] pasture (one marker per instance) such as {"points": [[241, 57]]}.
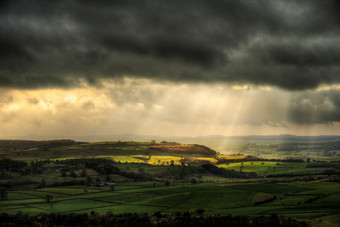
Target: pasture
{"points": [[292, 199], [267, 167], [56, 183]]}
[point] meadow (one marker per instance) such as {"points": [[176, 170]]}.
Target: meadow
{"points": [[291, 199], [268, 167], [123, 177]]}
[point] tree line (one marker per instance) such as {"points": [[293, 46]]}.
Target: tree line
{"points": [[186, 219]]}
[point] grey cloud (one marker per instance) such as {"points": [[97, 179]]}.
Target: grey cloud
{"points": [[64, 43], [315, 108]]}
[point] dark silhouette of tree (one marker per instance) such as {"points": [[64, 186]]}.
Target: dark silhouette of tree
{"points": [[48, 198], [89, 180], [199, 211], [83, 173], [3, 194], [43, 183], [108, 178], [73, 174], [112, 187], [193, 181]]}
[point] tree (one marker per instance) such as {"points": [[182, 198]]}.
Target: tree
{"points": [[3, 194], [43, 183], [89, 180], [73, 174], [112, 187], [108, 178], [199, 211], [141, 170], [83, 173], [48, 198], [102, 171], [193, 181]]}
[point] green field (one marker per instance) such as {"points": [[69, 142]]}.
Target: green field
{"points": [[267, 167], [291, 199], [72, 178]]}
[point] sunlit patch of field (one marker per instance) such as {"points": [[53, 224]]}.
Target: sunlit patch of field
{"points": [[164, 160], [122, 159], [148, 159], [153, 160], [263, 167], [329, 220], [211, 160], [231, 157]]}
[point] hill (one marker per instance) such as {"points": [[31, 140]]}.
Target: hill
{"points": [[131, 151]]}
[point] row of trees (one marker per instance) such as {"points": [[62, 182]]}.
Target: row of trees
{"points": [[133, 219], [228, 173]]}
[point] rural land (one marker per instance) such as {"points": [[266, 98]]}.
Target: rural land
{"points": [[258, 181]]}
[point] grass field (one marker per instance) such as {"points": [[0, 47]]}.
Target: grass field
{"points": [[293, 199], [119, 151], [191, 185], [265, 167]]}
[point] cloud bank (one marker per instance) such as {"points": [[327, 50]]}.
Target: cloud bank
{"points": [[293, 45]]}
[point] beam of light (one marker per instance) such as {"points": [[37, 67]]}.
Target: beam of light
{"points": [[165, 109]]}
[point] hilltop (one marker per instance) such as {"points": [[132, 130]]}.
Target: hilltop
{"points": [[138, 151]]}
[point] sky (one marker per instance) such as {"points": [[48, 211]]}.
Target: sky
{"points": [[169, 68]]}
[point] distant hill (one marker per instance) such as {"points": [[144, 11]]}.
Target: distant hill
{"points": [[184, 149], [54, 149], [205, 140], [27, 144]]}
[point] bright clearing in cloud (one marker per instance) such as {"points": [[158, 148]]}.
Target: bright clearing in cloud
{"points": [[147, 107], [169, 67]]}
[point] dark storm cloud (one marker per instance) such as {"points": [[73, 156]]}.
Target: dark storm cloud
{"points": [[290, 44], [312, 108]]}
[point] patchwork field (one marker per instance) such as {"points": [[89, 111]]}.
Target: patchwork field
{"points": [[125, 177], [267, 167], [293, 199]]}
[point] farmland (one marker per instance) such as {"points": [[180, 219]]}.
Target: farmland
{"points": [[268, 167], [137, 177], [292, 199]]}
